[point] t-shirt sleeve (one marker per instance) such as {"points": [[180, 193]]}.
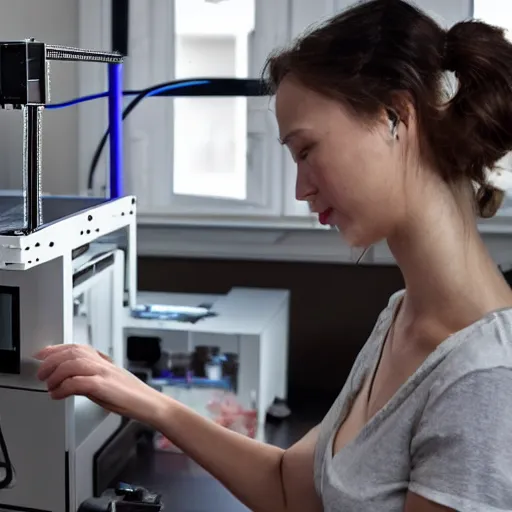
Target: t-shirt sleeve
{"points": [[461, 450]]}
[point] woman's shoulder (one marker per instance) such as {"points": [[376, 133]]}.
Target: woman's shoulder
{"points": [[480, 353]]}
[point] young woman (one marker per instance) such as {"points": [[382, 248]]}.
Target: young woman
{"points": [[424, 422]]}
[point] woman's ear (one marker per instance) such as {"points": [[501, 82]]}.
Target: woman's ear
{"points": [[402, 104]]}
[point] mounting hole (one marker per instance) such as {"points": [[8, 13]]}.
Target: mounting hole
{"points": [[37, 259], [81, 232], [131, 212], [30, 263], [122, 214], [89, 218], [51, 244], [38, 244], [88, 231], [97, 230], [27, 248], [133, 200]]}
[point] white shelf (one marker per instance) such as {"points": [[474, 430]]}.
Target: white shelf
{"points": [[244, 311]]}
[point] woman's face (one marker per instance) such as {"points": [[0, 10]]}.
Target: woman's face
{"points": [[352, 175]]}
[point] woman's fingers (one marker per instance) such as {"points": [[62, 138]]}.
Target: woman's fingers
{"points": [[104, 356], [81, 367], [53, 357], [72, 369], [77, 385], [52, 350]]}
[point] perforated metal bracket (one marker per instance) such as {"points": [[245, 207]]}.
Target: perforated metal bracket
{"points": [[25, 84], [24, 71]]}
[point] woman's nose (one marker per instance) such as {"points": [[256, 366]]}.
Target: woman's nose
{"points": [[304, 189]]}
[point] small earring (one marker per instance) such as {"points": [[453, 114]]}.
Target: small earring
{"points": [[393, 121]]}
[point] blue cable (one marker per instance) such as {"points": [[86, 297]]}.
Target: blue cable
{"points": [[166, 88], [91, 97], [155, 92]]}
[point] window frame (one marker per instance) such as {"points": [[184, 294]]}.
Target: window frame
{"points": [[271, 199]]}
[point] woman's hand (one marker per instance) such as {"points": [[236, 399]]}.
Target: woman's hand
{"points": [[80, 370]]}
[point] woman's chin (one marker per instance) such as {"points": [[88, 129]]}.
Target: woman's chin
{"points": [[349, 233], [354, 237]]}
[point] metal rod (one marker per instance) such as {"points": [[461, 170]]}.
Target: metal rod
{"points": [[115, 111], [32, 148]]}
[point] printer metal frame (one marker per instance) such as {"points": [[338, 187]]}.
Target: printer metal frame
{"points": [[63, 249]]}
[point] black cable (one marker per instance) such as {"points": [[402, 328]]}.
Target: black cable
{"points": [[9, 473], [212, 87]]}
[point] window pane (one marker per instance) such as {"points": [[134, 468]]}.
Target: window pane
{"points": [[210, 134]]}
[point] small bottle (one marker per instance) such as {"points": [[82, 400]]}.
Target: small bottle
{"points": [[213, 368]]}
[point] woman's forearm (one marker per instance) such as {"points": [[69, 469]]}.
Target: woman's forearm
{"points": [[249, 469]]}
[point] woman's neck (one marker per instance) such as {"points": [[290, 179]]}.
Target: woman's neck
{"points": [[448, 272]]}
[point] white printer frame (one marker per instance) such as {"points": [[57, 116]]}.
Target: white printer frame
{"points": [[51, 444]]}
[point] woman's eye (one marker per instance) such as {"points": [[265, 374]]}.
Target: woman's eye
{"points": [[303, 154]]}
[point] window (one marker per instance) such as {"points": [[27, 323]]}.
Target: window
{"points": [[199, 159], [204, 157], [210, 140]]}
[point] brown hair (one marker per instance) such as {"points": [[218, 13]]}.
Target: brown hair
{"points": [[369, 54]]}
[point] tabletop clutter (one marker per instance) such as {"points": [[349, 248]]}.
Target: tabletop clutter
{"points": [[224, 410], [205, 380]]}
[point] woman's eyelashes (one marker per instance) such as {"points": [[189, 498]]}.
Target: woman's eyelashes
{"points": [[304, 153]]}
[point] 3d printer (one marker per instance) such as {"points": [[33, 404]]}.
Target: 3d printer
{"points": [[57, 257]]}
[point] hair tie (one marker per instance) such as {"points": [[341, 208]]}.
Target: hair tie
{"points": [[445, 58]]}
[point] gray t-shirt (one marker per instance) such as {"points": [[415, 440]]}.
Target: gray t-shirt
{"points": [[445, 435]]}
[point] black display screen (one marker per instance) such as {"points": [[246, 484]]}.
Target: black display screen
{"points": [[9, 330]]}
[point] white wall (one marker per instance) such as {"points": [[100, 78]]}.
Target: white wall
{"points": [[54, 22]]}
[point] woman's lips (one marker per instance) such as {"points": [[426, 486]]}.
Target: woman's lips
{"points": [[324, 216]]}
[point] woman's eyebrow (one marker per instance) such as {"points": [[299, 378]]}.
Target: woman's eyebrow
{"points": [[290, 135]]}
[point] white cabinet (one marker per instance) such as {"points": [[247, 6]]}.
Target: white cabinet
{"points": [[252, 323]]}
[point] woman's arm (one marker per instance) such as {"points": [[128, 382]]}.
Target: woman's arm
{"points": [[263, 477]]}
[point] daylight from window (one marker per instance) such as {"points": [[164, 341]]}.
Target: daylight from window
{"points": [[210, 134]]}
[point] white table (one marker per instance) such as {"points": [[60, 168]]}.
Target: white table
{"points": [[252, 323]]}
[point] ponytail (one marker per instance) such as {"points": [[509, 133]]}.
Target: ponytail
{"points": [[478, 119]]}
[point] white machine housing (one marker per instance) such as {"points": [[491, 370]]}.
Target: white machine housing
{"points": [[68, 281]]}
